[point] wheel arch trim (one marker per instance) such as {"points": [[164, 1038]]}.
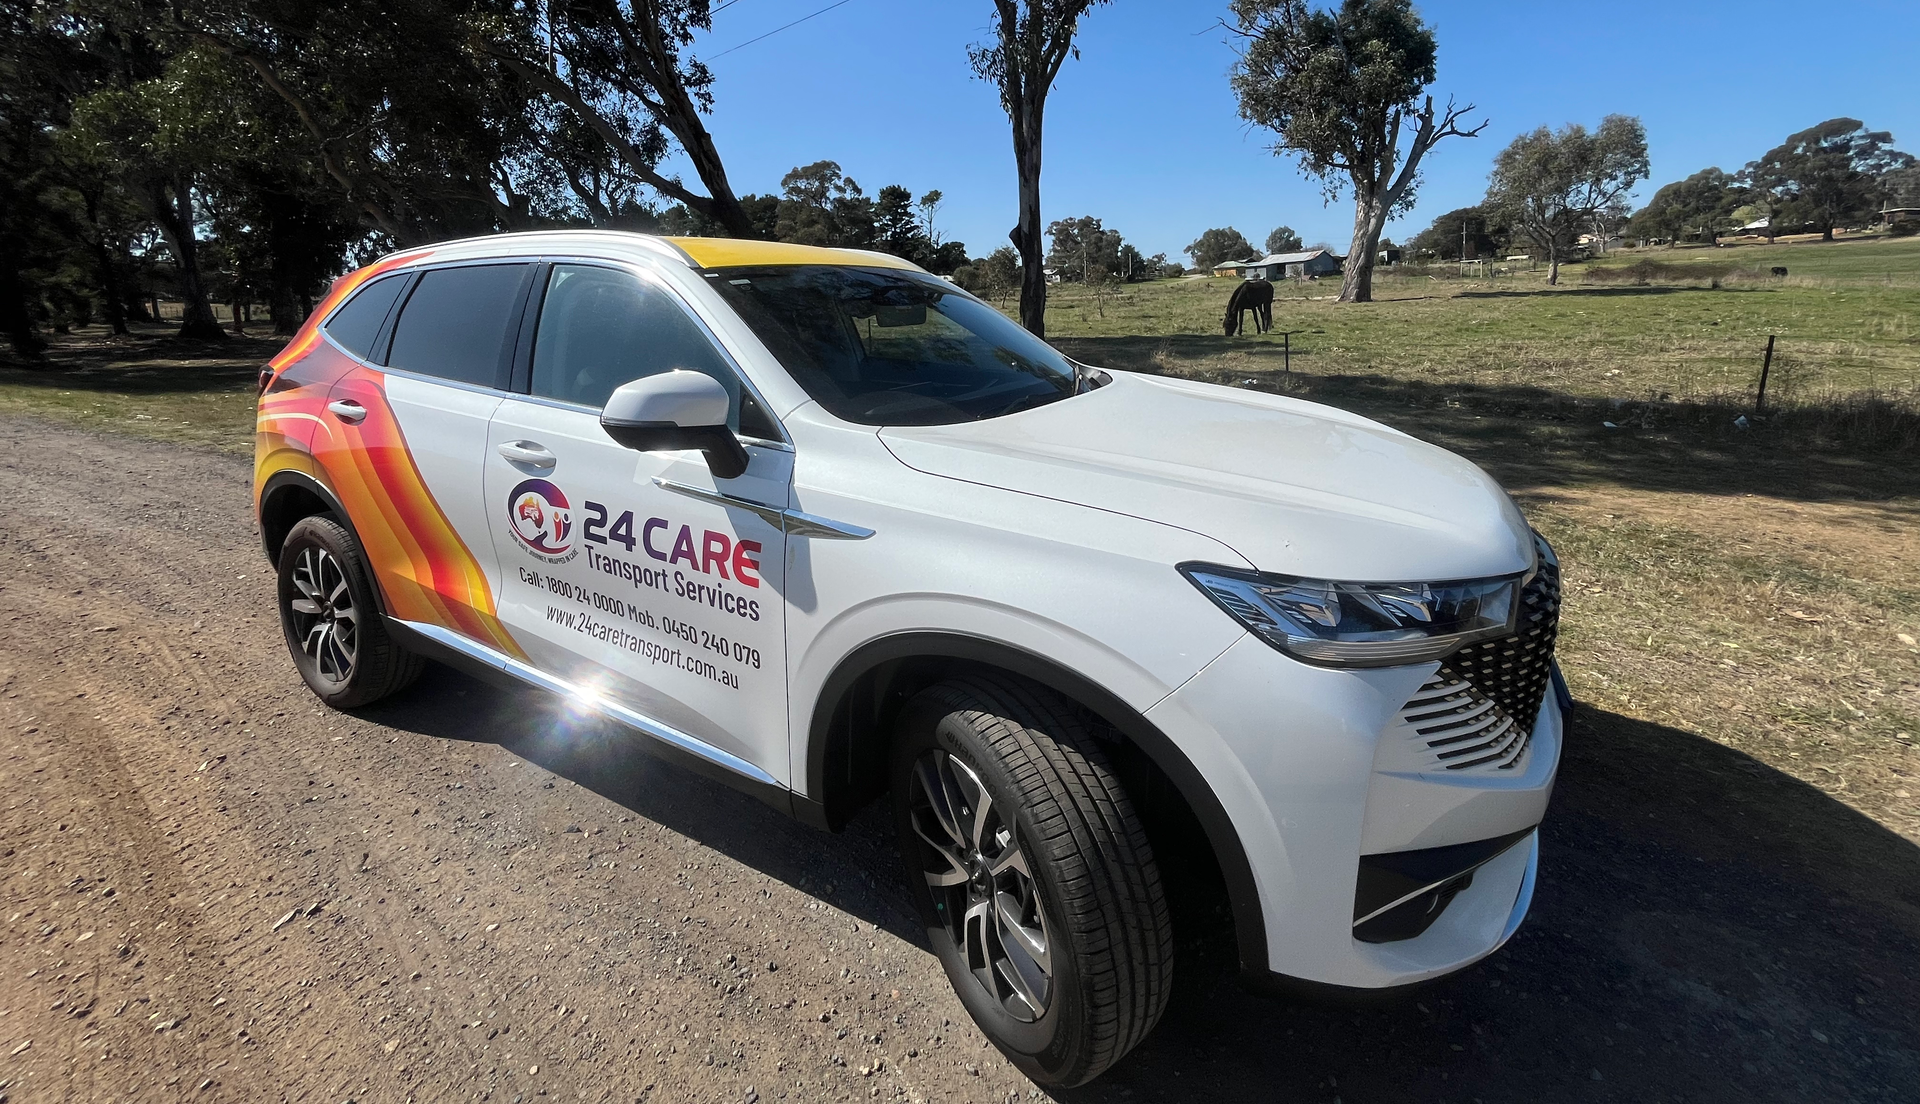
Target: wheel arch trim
{"points": [[1222, 837], [290, 479]]}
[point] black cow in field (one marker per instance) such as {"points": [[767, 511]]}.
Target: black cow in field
{"points": [[1251, 295]]}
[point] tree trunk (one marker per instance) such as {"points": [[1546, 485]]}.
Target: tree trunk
{"points": [[1553, 268], [103, 267], [725, 206], [1026, 235], [110, 302], [15, 317], [172, 205], [132, 296], [282, 309], [1356, 280]]}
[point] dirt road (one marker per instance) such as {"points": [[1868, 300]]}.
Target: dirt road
{"points": [[215, 890]]}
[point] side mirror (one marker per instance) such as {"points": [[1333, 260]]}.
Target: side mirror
{"points": [[676, 410]]}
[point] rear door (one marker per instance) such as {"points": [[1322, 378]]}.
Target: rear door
{"points": [[639, 577], [406, 437]]}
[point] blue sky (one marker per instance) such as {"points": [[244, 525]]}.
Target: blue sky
{"points": [[1142, 131]]}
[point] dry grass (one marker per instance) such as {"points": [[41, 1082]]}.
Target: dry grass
{"points": [[1786, 633]]}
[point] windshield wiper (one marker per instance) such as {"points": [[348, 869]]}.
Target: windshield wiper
{"points": [[1026, 402]]}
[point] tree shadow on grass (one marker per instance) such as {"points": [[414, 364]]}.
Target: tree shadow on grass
{"points": [[1539, 439], [148, 361], [1705, 929]]}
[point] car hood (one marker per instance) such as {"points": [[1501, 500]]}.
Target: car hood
{"points": [[1293, 487]]}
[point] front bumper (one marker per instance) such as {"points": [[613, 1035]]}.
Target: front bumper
{"points": [[1313, 767]]}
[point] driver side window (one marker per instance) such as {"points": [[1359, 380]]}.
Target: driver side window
{"points": [[601, 327]]}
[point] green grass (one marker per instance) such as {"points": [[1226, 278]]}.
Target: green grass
{"points": [[1851, 325], [147, 384], [1884, 260]]}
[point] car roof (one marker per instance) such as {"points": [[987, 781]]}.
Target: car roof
{"points": [[693, 252], [735, 252]]}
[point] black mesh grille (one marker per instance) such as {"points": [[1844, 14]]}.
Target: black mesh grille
{"points": [[1514, 670]]}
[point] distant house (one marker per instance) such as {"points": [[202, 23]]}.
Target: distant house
{"points": [[1388, 256], [1233, 268], [1279, 266]]}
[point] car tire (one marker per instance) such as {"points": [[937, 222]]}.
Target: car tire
{"points": [[1055, 859], [331, 618]]}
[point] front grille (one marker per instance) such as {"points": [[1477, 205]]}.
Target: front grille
{"points": [[1478, 709], [1463, 728]]}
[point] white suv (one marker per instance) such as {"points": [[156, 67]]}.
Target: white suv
{"points": [[1123, 652]]}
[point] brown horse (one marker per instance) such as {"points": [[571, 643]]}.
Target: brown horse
{"points": [[1251, 295]]}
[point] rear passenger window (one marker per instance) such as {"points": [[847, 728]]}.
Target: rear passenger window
{"points": [[356, 324], [600, 328], [454, 325]]}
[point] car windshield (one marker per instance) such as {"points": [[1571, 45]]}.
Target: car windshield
{"points": [[887, 347]]}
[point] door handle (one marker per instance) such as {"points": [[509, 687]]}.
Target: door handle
{"points": [[347, 411], [528, 453]]}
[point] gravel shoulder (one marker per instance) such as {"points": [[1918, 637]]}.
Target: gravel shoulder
{"points": [[214, 890]]}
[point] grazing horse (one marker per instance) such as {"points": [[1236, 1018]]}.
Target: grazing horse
{"points": [[1251, 295]]}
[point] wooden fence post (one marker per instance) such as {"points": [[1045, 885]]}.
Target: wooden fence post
{"points": [[1766, 366]]}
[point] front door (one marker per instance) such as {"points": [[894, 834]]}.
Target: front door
{"points": [[625, 573]]}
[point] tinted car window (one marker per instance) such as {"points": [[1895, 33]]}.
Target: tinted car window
{"points": [[356, 324], [600, 328], [885, 347], [454, 322]]}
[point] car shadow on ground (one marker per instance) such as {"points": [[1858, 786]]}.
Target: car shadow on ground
{"points": [[856, 870], [1706, 929]]}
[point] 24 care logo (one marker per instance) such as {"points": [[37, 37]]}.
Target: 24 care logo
{"points": [[542, 520]]}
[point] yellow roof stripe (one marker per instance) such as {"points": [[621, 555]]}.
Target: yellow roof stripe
{"points": [[729, 252]]}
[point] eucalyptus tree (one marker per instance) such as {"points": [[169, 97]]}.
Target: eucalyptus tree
{"points": [[1031, 40], [1222, 243], [1550, 184], [1703, 202], [625, 68], [1830, 174], [1283, 240], [389, 102], [1345, 91], [41, 72]]}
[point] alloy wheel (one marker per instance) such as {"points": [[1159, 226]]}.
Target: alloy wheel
{"points": [[323, 614], [983, 888]]}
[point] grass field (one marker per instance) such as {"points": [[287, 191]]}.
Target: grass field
{"points": [[148, 384], [1757, 587], [1846, 319]]}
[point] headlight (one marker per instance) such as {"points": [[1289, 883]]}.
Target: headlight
{"points": [[1361, 624]]}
